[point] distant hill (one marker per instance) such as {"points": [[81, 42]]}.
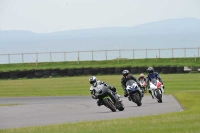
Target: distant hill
{"points": [[170, 33]]}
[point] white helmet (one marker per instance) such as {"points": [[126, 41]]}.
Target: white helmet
{"points": [[93, 81]]}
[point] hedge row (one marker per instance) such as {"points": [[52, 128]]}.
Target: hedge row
{"points": [[45, 73]]}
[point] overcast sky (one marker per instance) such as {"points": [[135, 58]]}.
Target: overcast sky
{"points": [[44, 16]]}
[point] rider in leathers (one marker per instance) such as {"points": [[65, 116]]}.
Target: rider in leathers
{"points": [[94, 82], [125, 78], [152, 75], [142, 79]]}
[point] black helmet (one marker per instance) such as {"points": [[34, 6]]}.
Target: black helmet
{"points": [[93, 81], [150, 70], [125, 73]]}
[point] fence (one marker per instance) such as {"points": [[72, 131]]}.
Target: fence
{"points": [[99, 55]]}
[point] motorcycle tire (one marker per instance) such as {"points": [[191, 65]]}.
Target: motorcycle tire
{"points": [[158, 96], [137, 99], [110, 104], [120, 107]]}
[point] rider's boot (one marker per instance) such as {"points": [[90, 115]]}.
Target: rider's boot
{"points": [[162, 88], [151, 94], [99, 103], [129, 98], [125, 94], [118, 96]]}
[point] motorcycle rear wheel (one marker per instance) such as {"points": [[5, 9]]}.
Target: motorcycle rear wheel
{"points": [[120, 107]]}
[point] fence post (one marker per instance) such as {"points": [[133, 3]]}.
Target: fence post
{"points": [[119, 54], [37, 56], [92, 55], [78, 57], [50, 57], [64, 56], [146, 53], [22, 58], [106, 54], [9, 58], [185, 52]]}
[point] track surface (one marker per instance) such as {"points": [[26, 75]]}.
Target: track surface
{"points": [[36, 111]]}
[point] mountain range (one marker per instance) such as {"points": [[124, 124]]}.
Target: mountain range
{"points": [[171, 33]]}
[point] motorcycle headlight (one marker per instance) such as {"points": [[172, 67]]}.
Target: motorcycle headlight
{"points": [[100, 91]]}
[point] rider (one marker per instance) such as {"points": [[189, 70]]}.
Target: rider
{"points": [[94, 82], [125, 78], [151, 75], [142, 79]]}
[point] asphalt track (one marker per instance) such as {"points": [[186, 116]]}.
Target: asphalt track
{"points": [[36, 111]]}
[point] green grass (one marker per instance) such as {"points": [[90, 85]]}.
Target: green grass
{"points": [[111, 63], [185, 88], [79, 85], [9, 104]]}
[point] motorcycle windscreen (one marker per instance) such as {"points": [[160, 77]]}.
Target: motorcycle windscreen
{"points": [[131, 85], [153, 84], [130, 82], [99, 89], [156, 83]]}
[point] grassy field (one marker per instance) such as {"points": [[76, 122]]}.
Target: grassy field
{"points": [[185, 88], [191, 62], [79, 85]]}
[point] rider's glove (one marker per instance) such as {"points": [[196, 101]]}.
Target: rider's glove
{"points": [[113, 89]]}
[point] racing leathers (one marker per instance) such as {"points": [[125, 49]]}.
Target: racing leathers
{"points": [[93, 91], [125, 79], [154, 75]]}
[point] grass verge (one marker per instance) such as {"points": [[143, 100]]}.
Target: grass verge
{"points": [[108, 63], [10, 104], [183, 86]]}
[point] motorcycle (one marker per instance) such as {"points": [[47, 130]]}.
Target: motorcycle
{"points": [[143, 86], [134, 93], [157, 90], [109, 98]]}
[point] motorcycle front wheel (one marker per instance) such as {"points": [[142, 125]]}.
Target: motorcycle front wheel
{"points": [[110, 104], [158, 96], [137, 99]]}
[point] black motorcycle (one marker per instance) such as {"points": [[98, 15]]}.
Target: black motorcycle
{"points": [[109, 98]]}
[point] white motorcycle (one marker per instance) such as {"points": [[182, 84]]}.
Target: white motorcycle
{"points": [[157, 90]]}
